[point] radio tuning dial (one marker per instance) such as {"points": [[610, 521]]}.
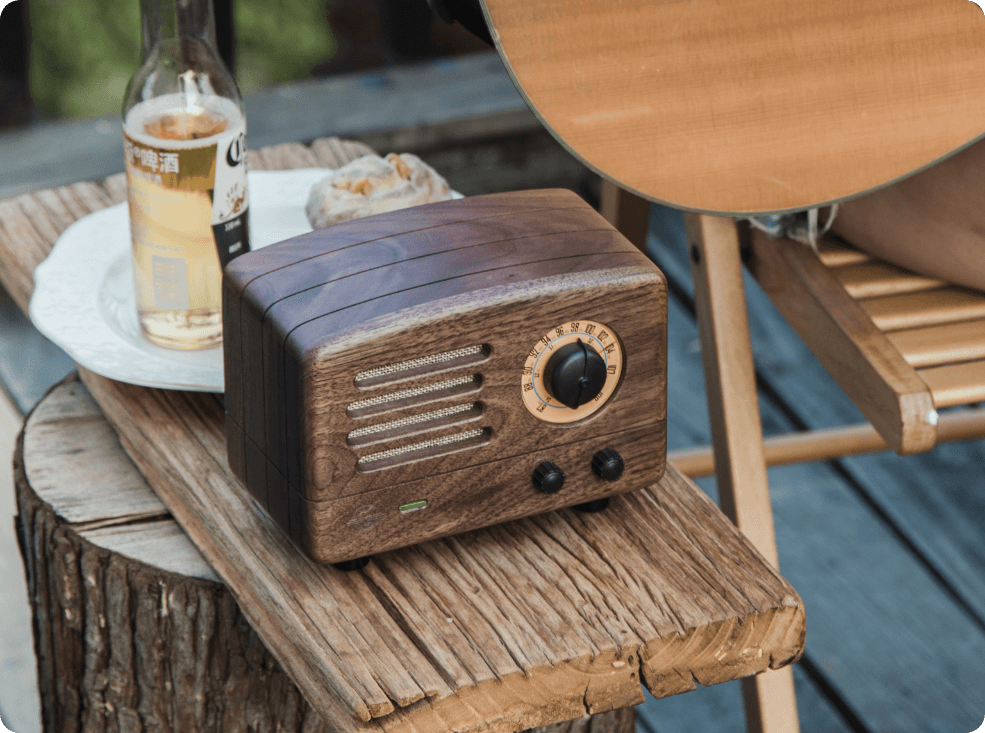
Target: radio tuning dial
{"points": [[571, 372], [575, 374]]}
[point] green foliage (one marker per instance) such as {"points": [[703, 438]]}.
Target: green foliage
{"points": [[84, 51], [279, 40], [82, 54]]}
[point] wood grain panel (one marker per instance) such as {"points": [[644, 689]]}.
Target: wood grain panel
{"points": [[495, 306], [493, 492], [738, 106], [347, 302], [302, 264]]}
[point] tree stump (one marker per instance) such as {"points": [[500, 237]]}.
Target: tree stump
{"points": [[133, 630]]}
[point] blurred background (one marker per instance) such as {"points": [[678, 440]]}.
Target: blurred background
{"points": [[64, 60]]}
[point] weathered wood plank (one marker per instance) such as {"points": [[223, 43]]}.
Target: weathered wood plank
{"points": [[658, 571]]}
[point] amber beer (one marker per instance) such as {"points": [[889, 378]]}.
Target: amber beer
{"points": [[186, 176]]}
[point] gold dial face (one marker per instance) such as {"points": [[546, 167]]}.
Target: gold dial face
{"points": [[538, 381]]}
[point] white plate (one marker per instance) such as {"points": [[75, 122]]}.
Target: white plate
{"points": [[83, 292]]}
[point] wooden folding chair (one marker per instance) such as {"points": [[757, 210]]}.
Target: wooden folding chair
{"points": [[901, 345]]}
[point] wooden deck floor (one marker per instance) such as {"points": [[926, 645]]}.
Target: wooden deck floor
{"points": [[887, 553]]}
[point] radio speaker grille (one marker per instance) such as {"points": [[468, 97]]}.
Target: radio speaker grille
{"points": [[430, 448], [424, 424], [379, 376], [412, 424]]}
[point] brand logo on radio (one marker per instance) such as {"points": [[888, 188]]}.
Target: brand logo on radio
{"points": [[365, 518]]}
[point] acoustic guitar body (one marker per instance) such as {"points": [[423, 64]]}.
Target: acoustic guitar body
{"points": [[419, 373], [750, 106]]}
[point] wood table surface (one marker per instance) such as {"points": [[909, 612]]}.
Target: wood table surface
{"points": [[524, 624]]}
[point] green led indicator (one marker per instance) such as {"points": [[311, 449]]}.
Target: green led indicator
{"points": [[413, 506]]}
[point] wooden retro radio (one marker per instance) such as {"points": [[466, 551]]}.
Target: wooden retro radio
{"points": [[443, 368]]}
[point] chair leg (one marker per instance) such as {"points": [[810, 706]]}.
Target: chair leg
{"points": [[627, 212], [737, 437]]}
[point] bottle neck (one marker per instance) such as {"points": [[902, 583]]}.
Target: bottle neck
{"points": [[170, 21]]}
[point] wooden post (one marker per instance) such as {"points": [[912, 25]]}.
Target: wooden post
{"points": [[737, 436]]}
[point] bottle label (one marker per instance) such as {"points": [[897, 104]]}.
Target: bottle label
{"points": [[188, 213]]}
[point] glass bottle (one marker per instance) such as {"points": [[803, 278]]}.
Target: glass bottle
{"points": [[184, 133]]}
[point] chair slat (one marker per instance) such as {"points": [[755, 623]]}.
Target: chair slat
{"points": [[956, 384], [834, 253], [877, 278], [925, 308], [860, 357], [938, 345]]}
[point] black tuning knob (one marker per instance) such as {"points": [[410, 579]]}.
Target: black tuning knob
{"points": [[607, 464], [548, 477], [575, 374]]}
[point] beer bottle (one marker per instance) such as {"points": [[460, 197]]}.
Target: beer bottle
{"points": [[184, 135]]}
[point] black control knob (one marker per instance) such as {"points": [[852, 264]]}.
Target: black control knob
{"points": [[608, 465], [548, 477], [575, 374]]}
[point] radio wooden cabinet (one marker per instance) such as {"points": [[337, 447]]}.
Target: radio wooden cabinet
{"points": [[442, 368]]}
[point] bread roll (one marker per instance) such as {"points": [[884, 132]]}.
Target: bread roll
{"points": [[374, 185]]}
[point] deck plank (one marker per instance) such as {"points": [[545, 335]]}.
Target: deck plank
{"points": [[718, 709], [29, 363]]}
